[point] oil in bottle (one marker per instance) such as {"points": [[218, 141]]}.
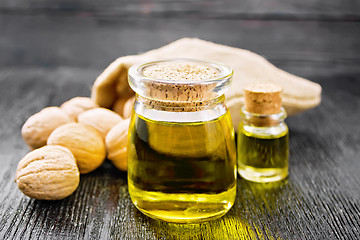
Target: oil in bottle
{"points": [[182, 172]]}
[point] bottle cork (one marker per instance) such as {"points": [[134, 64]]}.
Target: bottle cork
{"points": [[180, 88], [263, 98]]}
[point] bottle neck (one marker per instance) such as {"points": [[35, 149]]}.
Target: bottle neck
{"points": [[180, 112], [259, 120], [180, 106]]}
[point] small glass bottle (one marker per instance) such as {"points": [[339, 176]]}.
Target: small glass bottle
{"points": [[263, 139], [182, 153]]}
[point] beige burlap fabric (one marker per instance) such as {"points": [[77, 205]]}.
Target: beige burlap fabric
{"points": [[299, 94]]}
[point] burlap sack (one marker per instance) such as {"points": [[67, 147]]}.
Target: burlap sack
{"points": [[299, 94]]}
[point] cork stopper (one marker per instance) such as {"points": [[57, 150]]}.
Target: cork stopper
{"points": [[180, 71], [179, 84], [178, 90], [263, 98]]}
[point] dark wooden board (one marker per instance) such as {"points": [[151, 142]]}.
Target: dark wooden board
{"points": [[348, 10], [76, 41], [320, 199], [53, 51]]}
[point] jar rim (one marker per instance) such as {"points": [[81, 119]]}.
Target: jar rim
{"points": [[135, 71], [179, 90]]}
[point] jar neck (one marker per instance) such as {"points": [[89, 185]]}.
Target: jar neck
{"points": [[180, 106], [260, 120]]}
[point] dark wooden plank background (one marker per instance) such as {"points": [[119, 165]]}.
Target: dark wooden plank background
{"points": [[51, 51]]}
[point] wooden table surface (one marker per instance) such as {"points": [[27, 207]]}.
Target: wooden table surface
{"points": [[51, 51]]}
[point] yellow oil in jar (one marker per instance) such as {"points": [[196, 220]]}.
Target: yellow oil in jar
{"points": [[182, 172], [263, 157]]}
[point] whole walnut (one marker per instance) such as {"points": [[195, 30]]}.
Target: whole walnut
{"points": [[116, 142], [101, 119], [48, 173], [83, 141], [39, 126], [77, 105]]}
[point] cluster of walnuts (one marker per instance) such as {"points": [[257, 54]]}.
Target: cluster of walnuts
{"points": [[70, 140]]}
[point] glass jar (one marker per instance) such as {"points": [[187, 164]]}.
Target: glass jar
{"points": [[181, 154], [263, 147]]}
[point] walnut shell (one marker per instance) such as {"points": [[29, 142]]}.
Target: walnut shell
{"points": [[124, 106], [77, 105], [101, 119], [39, 126], [116, 142], [48, 173], [83, 141]]}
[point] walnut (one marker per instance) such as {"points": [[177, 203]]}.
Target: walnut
{"points": [[48, 173], [77, 105], [124, 106], [83, 141], [116, 144], [101, 119], [38, 127]]}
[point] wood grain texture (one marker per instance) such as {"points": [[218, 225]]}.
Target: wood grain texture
{"points": [[76, 41], [49, 58], [346, 10], [320, 199]]}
